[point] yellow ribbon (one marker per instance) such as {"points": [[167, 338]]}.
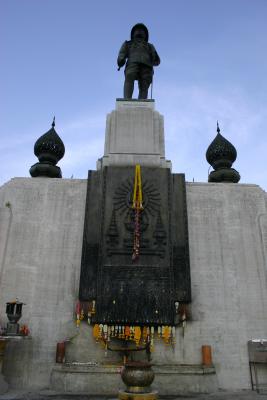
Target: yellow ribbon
{"points": [[137, 194]]}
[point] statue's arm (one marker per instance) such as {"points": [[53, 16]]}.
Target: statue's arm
{"points": [[123, 54], [154, 55]]}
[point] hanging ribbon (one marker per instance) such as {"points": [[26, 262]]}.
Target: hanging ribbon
{"points": [[138, 207]]}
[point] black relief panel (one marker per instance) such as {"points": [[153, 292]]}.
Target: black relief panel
{"points": [[141, 291]]}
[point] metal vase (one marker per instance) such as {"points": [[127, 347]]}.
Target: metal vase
{"points": [[137, 376]]}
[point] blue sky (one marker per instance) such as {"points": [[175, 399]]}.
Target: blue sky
{"points": [[58, 57]]}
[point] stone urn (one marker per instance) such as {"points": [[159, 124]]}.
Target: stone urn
{"points": [[14, 311], [137, 376]]}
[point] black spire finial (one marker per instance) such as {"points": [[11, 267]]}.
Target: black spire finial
{"points": [[54, 122], [218, 128], [49, 149], [220, 155]]}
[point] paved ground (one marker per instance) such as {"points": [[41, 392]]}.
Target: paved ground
{"points": [[47, 395]]}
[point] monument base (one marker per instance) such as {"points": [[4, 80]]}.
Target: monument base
{"points": [[134, 135]]}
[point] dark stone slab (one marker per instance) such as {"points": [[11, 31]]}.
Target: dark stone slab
{"points": [[143, 291]]}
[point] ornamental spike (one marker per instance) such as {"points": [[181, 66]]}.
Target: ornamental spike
{"points": [[218, 128]]}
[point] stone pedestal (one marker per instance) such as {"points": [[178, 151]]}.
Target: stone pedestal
{"points": [[134, 135]]}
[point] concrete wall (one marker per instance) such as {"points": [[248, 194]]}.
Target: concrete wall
{"points": [[228, 245], [40, 249], [40, 254]]}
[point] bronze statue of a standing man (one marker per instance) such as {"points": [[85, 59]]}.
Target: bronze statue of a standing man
{"points": [[141, 56]]}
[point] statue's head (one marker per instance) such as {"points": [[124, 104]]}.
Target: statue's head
{"points": [[139, 31]]}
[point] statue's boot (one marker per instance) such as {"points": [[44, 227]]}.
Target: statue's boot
{"points": [[143, 89], [128, 89]]}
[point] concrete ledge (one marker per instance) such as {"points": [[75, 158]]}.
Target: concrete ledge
{"points": [[93, 380], [106, 380], [183, 369]]}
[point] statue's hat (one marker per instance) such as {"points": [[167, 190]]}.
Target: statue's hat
{"points": [[139, 26]]}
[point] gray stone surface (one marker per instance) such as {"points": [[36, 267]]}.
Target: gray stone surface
{"points": [[134, 135], [40, 250]]}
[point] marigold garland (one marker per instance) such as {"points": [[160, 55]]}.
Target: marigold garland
{"points": [[141, 336], [138, 207], [96, 331], [137, 335]]}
